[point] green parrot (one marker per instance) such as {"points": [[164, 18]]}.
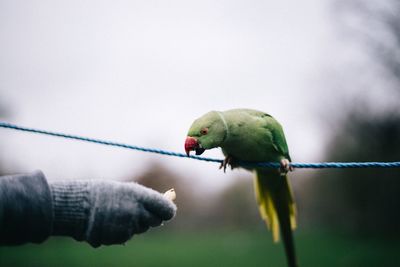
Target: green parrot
{"points": [[253, 136]]}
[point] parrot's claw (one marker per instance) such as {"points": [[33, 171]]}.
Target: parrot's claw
{"points": [[285, 167], [227, 161]]}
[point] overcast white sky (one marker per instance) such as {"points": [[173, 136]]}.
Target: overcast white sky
{"points": [[141, 71]]}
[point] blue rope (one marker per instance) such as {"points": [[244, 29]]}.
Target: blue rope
{"points": [[181, 155]]}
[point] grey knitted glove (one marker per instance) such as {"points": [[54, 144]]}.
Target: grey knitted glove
{"points": [[105, 212]]}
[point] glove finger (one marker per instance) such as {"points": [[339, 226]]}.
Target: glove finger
{"points": [[155, 202], [148, 219]]}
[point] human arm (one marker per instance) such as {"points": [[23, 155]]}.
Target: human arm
{"points": [[100, 212]]}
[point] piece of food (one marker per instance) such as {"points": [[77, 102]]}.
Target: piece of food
{"points": [[170, 194]]}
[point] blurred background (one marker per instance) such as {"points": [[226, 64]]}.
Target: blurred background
{"points": [[140, 72]]}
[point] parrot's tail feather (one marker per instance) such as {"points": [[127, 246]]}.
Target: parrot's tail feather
{"points": [[277, 208], [292, 206], [266, 208]]}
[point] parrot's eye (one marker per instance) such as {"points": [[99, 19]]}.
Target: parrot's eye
{"points": [[204, 131]]}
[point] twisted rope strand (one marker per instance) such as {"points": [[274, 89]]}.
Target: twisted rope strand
{"points": [[319, 165]]}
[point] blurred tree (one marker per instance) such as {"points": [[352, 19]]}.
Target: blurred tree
{"points": [[376, 24], [365, 201], [3, 114]]}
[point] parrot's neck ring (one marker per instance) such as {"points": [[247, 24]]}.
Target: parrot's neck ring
{"points": [[225, 125]]}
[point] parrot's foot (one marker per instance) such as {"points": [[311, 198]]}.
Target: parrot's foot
{"points": [[227, 161], [285, 167]]}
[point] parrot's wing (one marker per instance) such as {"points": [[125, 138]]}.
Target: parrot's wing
{"points": [[278, 137]]}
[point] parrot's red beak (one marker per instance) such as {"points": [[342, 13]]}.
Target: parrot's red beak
{"points": [[192, 144]]}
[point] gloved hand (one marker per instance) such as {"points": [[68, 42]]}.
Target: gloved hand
{"points": [[105, 212]]}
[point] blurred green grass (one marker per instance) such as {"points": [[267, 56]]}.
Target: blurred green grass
{"points": [[219, 248]]}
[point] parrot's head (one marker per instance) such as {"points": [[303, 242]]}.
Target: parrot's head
{"points": [[206, 132]]}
